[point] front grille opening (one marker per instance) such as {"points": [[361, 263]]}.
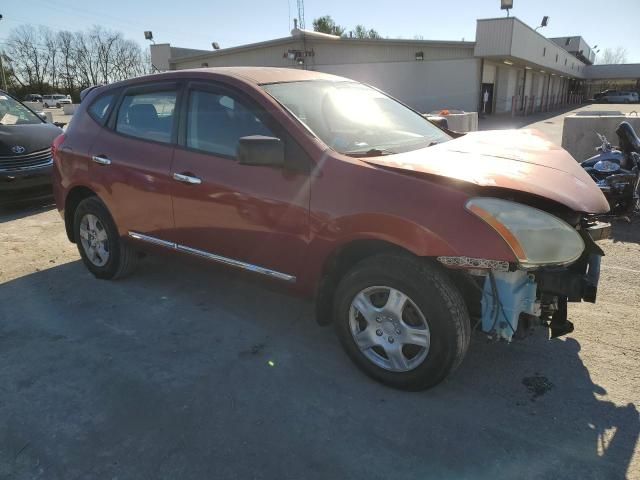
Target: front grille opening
{"points": [[26, 161]]}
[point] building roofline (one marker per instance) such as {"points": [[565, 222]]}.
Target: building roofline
{"points": [[324, 39]]}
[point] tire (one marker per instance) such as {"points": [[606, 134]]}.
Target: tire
{"points": [[46, 105], [115, 258], [57, 105], [432, 299]]}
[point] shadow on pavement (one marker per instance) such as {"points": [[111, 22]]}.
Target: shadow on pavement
{"points": [[25, 208], [187, 371], [623, 231]]}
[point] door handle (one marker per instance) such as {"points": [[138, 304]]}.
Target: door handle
{"points": [[101, 160], [181, 177]]}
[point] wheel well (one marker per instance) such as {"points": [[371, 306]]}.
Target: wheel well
{"points": [[339, 263], [74, 197]]}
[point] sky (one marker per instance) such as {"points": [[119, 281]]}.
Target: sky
{"points": [[197, 23]]}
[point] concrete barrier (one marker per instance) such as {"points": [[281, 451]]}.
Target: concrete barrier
{"points": [[35, 106], [49, 117], [579, 131], [69, 109], [462, 122]]}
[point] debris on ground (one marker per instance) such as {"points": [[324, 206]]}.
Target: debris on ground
{"points": [[537, 385]]}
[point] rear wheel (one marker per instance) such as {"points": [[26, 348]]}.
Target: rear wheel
{"points": [[102, 250], [401, 321], [57, 105]]}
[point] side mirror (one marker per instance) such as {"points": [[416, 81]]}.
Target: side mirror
{"points": [[42, 115], [261, 150]]}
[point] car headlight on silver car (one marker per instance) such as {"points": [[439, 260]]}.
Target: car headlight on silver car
{"points": [[537, 238]]}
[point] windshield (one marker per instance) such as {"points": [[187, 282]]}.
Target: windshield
{"points": [[355, 119], [14, 113]]}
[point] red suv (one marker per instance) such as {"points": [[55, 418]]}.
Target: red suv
{"points": [[400, 232]]}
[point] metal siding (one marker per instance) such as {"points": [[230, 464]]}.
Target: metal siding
{"points": [[493, 37], [529, 46], [425, 86]]}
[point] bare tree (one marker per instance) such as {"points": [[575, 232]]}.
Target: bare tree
{"points": [[67, 69], [43, 60], [50, 45], [29, 61], [610, 55]]}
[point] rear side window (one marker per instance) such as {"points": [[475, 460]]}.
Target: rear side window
{"points": [[99, 108], [147, 115], [216, 122]]}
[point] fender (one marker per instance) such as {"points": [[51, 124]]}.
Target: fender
{"points": [[394, 231]]}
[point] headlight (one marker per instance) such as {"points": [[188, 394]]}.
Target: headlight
{"points": [[536, 237]]}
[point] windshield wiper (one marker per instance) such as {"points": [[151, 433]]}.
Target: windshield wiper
{"points": [[373, 152]]}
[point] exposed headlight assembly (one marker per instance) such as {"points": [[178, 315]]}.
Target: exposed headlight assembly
{"points": [[537, 238]]}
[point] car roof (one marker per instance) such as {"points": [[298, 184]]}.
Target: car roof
{"points": [[254, 75]]}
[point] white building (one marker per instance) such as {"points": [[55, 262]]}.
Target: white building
{"points": [[509, 64]]}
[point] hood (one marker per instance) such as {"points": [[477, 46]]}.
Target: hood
{"points": [[37, 136], [523, 160]]}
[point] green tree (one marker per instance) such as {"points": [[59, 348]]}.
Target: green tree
{"points": [[360, 31], [326, 24]]}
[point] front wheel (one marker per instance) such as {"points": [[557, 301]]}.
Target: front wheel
{"points": [[102, 250], [401, 321]]}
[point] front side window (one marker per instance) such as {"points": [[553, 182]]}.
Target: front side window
{"points": [[355, 119], [147, 115], [13, 112], [217, 121]]}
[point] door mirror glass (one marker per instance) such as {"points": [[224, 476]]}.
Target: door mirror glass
{"points": [[261, 150]]}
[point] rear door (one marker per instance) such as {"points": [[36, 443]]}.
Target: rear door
{"points": [[253, 217], [131, 159]]}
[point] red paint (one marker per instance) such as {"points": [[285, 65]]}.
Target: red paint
{"points": [[293, 222]]}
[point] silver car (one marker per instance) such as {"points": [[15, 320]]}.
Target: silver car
{"points": [[619, 96]]}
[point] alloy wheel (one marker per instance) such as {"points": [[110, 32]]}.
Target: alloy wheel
{"points": [[94, 240], [389, 328]]}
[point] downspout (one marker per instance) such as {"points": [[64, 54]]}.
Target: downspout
{"points": [[480, 89]]}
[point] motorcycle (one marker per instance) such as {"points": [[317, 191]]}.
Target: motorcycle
{"points": [[616, 171]]}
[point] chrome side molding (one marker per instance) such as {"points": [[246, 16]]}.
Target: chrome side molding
{"points": [[213, 257], [153, 240]]}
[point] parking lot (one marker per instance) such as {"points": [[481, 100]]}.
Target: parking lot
{"points": [[187, 370]]}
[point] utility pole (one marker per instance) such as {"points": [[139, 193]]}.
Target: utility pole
{"points": [[4, 78]]}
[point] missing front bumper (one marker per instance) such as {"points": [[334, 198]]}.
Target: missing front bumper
{"points": [[510, 297]]}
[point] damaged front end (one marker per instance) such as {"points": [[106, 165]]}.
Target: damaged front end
{"points": [[557, 263]]}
